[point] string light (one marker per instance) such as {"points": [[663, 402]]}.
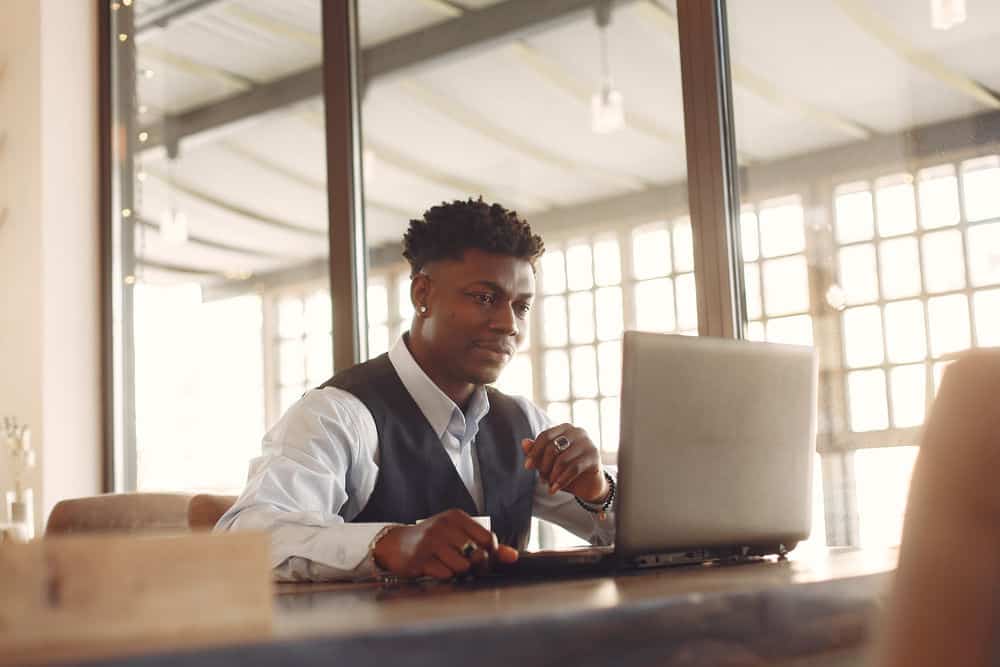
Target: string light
{"points": [[126, 213], [122, 37], [143, 136]]}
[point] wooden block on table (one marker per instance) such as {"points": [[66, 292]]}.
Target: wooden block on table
{"points": [[78, 597]]}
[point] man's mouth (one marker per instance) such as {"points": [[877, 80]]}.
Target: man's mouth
{"points": [[498, 350]]}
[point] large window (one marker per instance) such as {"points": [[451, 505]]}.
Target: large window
{"points": [[860, 234], [576, 123], [219, 219]]}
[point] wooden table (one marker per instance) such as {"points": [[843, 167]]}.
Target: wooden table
{"points": [[818, 610]]}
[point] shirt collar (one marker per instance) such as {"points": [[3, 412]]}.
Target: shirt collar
{"points": [[437, 407]]}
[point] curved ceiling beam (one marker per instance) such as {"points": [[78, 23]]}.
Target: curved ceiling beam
{"points": [[880, 29], [761, 87]]}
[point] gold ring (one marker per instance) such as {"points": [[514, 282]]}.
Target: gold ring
{"points": [[468, 548], [561, 443]]}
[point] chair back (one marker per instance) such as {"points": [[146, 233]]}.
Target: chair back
{"points": [[138, 513]]}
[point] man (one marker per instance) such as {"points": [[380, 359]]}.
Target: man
{"points": [[382, 469]]}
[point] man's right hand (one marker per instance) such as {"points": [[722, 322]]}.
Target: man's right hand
{"points": [[434, 547]]}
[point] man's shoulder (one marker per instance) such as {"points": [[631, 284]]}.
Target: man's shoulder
{"points": [[360, 375]]}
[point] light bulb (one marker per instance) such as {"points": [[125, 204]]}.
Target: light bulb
{"points": [[607, 110], [946, 14], [174, 227]]}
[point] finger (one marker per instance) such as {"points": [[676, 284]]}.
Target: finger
{"points": [[565, 468], [448, 554], [579, 469], [542, 441], [506, 554], [437, 569], [467, 528], [551, 455]]}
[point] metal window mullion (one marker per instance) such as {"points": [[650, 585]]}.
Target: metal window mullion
{"points": [[123, 115], [713, 189], [345, 199]]}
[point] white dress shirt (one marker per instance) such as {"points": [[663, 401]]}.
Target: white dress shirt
{"points": [[320, 463]]}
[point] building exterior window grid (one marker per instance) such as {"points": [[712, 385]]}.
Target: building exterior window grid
{"points": [[931, 360]]}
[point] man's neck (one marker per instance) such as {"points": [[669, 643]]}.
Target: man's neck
{"points": [[458, 391]]}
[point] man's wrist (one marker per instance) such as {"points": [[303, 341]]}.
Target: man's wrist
{"points": [[605, 491]]}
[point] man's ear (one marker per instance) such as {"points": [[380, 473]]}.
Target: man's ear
{"points": [[420, 293]]}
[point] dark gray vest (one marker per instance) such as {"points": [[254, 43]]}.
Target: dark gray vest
{"points": [[417, 479]]}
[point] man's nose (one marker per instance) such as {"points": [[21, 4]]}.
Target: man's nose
{"points": [[505, 320]]}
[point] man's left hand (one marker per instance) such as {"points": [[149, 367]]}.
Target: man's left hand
{"points": [[576, 469]]}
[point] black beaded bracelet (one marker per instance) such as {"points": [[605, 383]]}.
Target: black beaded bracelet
{"points": [[601, 513]]}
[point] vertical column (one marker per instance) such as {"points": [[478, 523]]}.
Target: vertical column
{"points": [[344, 185], [119, 234], [713, 191]]}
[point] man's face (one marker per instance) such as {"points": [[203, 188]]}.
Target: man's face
{"points": [[477, 313]]}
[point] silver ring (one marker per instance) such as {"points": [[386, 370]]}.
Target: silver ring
{"points": [[468, 548], [561, 443]]}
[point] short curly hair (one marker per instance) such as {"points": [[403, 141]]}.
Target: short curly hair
{"points": [[448, 230]]}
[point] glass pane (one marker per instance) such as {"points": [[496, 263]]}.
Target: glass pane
{"points": [[687, 302], [795, 330], [981, 181], [986, 306], [553, 271], [291, 362], [319, 311], [579, 267], [581, 317], [905, 335], [858, 277], [683, 246], [897, 213], [786, 286], [748, 230], [555, 329], [855, 219], [586, 415], [900, 268], [949, 320], [287, 397], [782, 228], [944, 268], [378, 304], [654, 305], [319, 359], [378, 340], [862, 140], [755, 331], [751, 283], [866, 400], [938, 197], [939, 368], [863, 336], [607, 262], [610, 423], [206, 217], [609, 361], [908, 385], [984, 253], [559, 413], [517, 379], [609, 313], [556, 375], [404, 301], [651, 251], [584, 360], [882, 477], [291, 318]]}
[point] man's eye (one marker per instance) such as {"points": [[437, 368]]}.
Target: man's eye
{"points": [[522, 309], [484, 299]]}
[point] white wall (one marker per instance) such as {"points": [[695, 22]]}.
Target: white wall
{"points": [[49, 245]]}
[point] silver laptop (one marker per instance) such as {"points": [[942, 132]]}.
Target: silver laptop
{"points": [[715, 457]]}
